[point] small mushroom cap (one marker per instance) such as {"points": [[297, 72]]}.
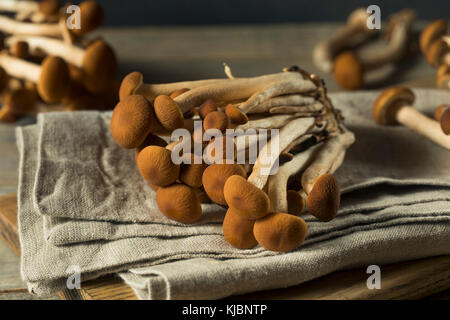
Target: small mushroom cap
{"points": [[130, 83], [436, 51], [150, 140], [236, 115], [296, 203], [246, 199], [21, 101], [156, 166], [49, 8], [214, 178], [280, 232], [20, 49], [207, 107], [445, 121], [4, 79], [216, 120], [177, 93], [388, 102], [238, 231], [348, 71], [91, 17], [324, 199], [439, 111], [179, 202], [6, 114], [168, 113], [53, 79], [431, 33], [132, 120], [99, 66], [216, 150], [191, 173]]}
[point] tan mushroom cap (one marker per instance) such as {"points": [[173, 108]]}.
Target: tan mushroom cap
{"points": [[91, 17], [245, 199], [214, 178], [445, 121], [348, 71], [238, 231], [431, 33], [21, 101], [49, 8], [280, 232], [388, 102], [436, 51], [132, 120], [179, 202], [236, 115], [179, 92], [207, 107], [150, 140], [168, 113], [216, 120], [4, 79], [130, 83], [296, 203], [439, 111], [191, 173], [324, 199], [53, 79], [20, 49], [99, 67], [156, 166]]}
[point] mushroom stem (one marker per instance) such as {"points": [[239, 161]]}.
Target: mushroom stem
{"points": [[16, 6], [285, 100], [12, 26], [423, 125], [307, 109], [276, 121], [20, 68]]}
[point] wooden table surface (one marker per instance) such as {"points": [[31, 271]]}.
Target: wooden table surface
{"points": [[186, 53]]}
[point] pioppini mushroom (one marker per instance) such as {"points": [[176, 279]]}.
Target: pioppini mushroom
{"points": [[438, 53], [350, 67], [436, 30], [442, 115], [44, 11], [355, 32], [443, 76], [97, 62], [52, 77], [238, 231], [394, 105]]}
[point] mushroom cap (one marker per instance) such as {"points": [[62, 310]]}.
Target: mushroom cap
{"points": [[436, 51], [207, 107], [156, 166], [216, 120], [150, 140], [214, 178], [388, 102], [20, 49], [130, 83], [168, 113], [238, 231], [219, 144], [432, 31], [445, 121], [4, 79], [439, 111], [443, 80], [91, 17], [348, 71], [246, 199], [6, 114], [191, 173], [20, 101], [99, 67], [324, 199], [179, 202], [53, 79], [178, 92], [296, 203], [236, 115], [131, 121], [280, 232], [443, 70], [49, 8]]}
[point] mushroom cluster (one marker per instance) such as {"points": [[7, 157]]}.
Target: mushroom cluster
{"points": [[307, 142], [349, 66], [435, 45], [45, 65]]}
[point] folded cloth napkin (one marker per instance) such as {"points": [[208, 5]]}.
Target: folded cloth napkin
{"points": [[104, 165]]}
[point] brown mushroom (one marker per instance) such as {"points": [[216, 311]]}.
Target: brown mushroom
{"points": [[168, 113], [156, 166], [150, 140], [431, 33], [21, 101], [216, 120], [236, 115], [443, 76], [445, 120], [192, 171], [179, 202], [207, 107], [295, 201], [280, 231], [214, 178], [91, 17], [178, 92], [20, 50], [238, 231], [394, 105]]}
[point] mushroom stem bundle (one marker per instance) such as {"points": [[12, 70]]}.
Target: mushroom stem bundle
{"points": [[325, 51], [394, 105], [16, 6], [8, 25]]}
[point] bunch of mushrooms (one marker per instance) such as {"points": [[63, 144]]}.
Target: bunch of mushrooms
{"points": [[351, 67], [45, 67], [435, 45], [264, 205]]}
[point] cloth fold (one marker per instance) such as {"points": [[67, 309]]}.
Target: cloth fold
{"points": [[83, 203]]}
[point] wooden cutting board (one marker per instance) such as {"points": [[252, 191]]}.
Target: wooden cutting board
{"points": [[407, 280]]}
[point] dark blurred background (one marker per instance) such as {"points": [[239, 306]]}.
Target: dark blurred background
{"points": [[198, 12]]}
